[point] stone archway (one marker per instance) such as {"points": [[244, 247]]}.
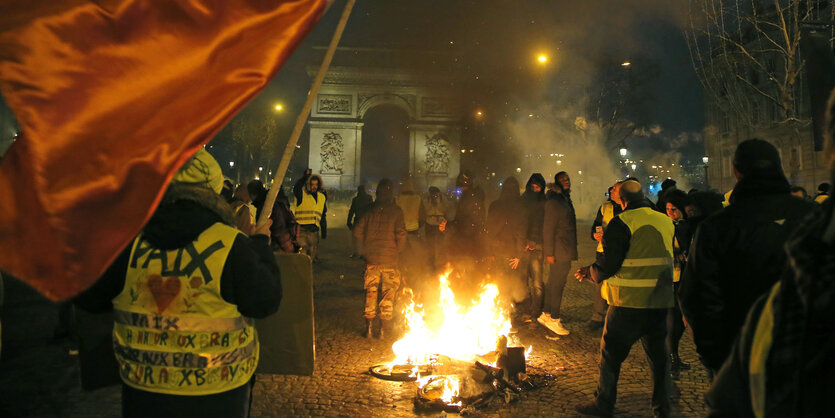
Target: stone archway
{"points": [[348, 93]]}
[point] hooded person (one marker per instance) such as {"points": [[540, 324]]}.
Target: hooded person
{"points": [[676, 209], [506, 228], [559, 232], [381, 237], [534, 201], [736, 254], [465, 232], [311, 211], [187, 272]]}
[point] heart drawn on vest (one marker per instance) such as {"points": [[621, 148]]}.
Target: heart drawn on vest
{"points": [[165, 291]]}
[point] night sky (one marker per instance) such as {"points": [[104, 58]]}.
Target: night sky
{"points": [[494, 45]]}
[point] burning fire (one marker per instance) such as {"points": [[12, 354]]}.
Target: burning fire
{"points": [[464, 333]]}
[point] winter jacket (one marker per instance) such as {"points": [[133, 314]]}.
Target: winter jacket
{"points": [[800, 359], [736, 256], [465, 236], [250, 279], [506, 223], [359, 205], [534, 209], [284, 230], [559, 229], [381, 233]]}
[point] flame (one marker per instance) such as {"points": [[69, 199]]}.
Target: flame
{"points": [[464, 333]]}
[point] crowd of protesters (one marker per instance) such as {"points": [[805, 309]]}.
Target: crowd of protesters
{"points": [[696, 261], [749, 275]]}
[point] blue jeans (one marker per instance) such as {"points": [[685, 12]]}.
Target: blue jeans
{"points": [[533, 262]]}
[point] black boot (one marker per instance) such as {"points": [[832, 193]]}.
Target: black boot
{"points": [[385, 329], [675, 372], [680, 365], [369, 328]]}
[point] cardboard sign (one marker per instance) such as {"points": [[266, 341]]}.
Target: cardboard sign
{"points": [[287, 339]]}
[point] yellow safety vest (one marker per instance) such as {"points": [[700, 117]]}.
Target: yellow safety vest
{"points": [[410, 204], [309, 212], [760, 347], [676, 265], [173, 332], [435, 213], [645, 279], [822, 198], [607, 209]]}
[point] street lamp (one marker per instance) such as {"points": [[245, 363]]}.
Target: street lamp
{"points": [[706, 160], [634, 167], [231, 164], [279, 107], [542, 58], [479, 113], [623, 151], [625, 64]]}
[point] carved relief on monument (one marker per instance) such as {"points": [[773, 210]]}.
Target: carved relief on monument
{"points": [[332, 153], [437, 154], [434, 106], [334, 104]]}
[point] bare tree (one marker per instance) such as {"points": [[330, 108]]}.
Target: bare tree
{"points": [[255, 138], [746, 54], [618, 99]]}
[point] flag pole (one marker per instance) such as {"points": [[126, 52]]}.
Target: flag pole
{"points": [[300, 121]]}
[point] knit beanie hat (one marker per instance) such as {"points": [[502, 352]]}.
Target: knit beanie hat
{"points": [[200, 170], [758, 159]]}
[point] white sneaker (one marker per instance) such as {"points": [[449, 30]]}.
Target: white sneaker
{"points": [[544, 320], [556, 326]]}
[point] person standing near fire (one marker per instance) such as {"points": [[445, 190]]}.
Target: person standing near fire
{"points": [[559, 232], [381, 237], [436, 214], [607, 211], [636, 270], [465, 232], [534, 200]]}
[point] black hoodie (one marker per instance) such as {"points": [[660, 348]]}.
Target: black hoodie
{"points": [[534, 208]]}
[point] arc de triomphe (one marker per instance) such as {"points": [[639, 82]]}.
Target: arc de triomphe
{"points": [[347, 93]]}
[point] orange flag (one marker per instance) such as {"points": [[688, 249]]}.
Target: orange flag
{"points": [[112, 97]]}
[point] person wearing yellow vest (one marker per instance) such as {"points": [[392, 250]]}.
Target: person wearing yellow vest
{"points": [[410, 202], [310, 211], [637, 274], [182, 294], [607, 211]]}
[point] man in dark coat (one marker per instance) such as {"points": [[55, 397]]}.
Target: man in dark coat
{"points": [[359, 205], [782, 363], [559, 231], [506, 226], [465, 232], [737, 254], [534, 201]]}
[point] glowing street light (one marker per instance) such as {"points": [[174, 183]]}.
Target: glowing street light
{"points": [[231, 164], [279, 107], [634, 167], [479, 113], [625, 64], [623, 151], [542, 58], [518, 170], [705, 159]]}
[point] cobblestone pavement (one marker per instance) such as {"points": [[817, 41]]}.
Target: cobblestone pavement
{"points": [[39, 378]]}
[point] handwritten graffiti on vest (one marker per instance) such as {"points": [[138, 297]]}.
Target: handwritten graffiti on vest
{"points": [[173, 333]]}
